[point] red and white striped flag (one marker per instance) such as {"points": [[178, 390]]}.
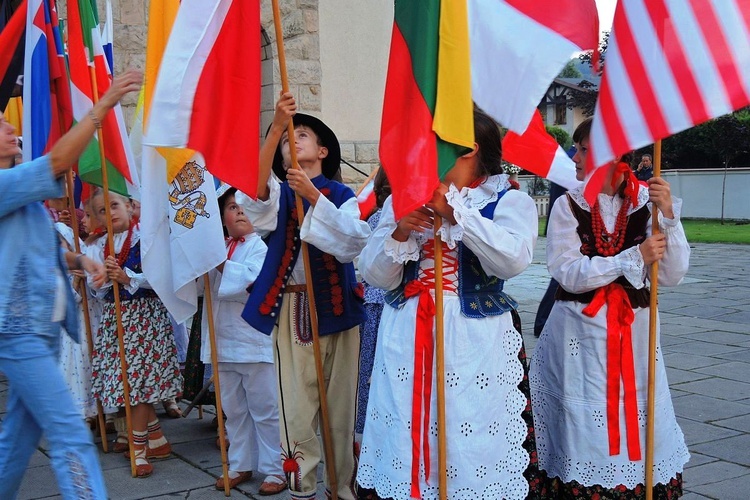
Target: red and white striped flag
{"points": [[671, 65]]}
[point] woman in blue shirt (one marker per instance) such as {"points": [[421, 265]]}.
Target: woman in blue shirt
{"points": [[35, 300]]}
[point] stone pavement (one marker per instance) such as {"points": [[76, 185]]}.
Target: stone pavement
{"points": [[705, 339]]}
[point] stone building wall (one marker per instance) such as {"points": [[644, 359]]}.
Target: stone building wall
{"points": [[300, 21]]}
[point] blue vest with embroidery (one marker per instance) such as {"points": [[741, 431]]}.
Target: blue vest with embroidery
{"points": [[338, 298], [480, 295]]}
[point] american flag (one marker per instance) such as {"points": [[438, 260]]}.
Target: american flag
{"points": [[671, 65]]}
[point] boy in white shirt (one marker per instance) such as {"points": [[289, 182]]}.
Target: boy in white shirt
{"points": [[246, 371]]}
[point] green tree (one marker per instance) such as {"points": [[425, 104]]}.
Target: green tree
{"points": [[585, 99], [560, 135], [570, 71]]}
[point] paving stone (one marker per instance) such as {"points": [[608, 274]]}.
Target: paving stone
{"points": [[705, 348], [705, 409], [698, 432], [697, 459], [742, 317], [169, 476], [713, 387], [689, 361], [706, 311], [734, 449], [689, 495], [715, 472], [741, 423], [734, 370], [38, 482], [731, 489], [677, 376]]}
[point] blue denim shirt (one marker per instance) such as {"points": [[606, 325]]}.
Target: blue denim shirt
{"points": [[29, 253]]}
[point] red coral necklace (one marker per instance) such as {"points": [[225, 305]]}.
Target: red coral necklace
{"points": [[609, 244], [122, 256]]}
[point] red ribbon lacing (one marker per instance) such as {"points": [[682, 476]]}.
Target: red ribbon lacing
{"points": [[424, 352], [620, 364], [232, 245]]}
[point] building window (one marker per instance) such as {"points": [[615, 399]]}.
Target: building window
{"points": [[561, 113]]}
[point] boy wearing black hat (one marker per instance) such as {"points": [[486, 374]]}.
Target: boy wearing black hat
{"points": [[335, 236]]}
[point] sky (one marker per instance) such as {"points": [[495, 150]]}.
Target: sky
{"points": [[606, 10]]}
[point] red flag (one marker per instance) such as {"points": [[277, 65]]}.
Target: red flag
{"points": [[538, 152], [11, 55], [670, 66]]}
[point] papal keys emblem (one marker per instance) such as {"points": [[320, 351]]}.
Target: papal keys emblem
{"points": [[186, 198]]}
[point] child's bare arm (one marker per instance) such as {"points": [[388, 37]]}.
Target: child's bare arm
{"points": [[286, 107]]}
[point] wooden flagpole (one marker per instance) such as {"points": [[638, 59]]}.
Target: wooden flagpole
{"points": [[115, 285], [440, 364], [652, 324], [367, 181], [325, 427], [82, 290], [217, 390]]}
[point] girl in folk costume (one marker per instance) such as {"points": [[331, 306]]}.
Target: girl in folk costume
{"points": [[279, 302], [74, 356], [153, 372], [246, 371], [590, 433], [489, 232]]}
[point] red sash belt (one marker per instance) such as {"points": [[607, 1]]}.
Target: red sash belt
{"points": [[620, 363], [424, 349]]}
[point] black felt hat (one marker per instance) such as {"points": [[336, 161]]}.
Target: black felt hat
{"points": [[331, 163]]}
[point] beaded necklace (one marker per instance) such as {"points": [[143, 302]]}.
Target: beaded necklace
{"points": [[122, 257], [609, 244]]}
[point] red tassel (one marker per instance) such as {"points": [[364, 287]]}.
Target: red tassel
{"points": [[290, 466]]}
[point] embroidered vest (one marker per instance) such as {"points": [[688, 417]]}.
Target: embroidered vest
{"points": [[480, 295], [635, 233], [133, 263], [338, 295]]}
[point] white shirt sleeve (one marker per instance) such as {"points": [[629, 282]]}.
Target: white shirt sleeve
{"points": [[505, 244], [263, 214], [674, 264], [337, 231], [382, 260], [238, 275]]}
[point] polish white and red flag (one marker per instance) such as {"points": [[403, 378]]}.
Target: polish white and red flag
{"points": [[207, 94], [671, 65], [366, 199], [538, 152], [519, 46]]}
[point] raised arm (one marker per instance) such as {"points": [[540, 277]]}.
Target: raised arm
{"points": [[66, 151], [286, 107]]}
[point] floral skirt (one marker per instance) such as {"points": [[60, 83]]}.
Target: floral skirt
{"points": [[556, 488], [153, 371]]}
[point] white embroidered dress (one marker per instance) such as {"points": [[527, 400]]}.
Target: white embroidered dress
{"points": [[568, 371], [485, 431]]}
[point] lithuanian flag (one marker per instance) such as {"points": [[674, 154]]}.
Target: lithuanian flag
{"points": [[428, 111]]}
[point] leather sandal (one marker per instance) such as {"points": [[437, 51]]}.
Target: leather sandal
{"points": [[143, 467], [272, 485], [242, 477], [171, 408], [163, 451]]}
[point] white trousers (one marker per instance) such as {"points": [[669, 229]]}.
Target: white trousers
{"points": [[249, 398]]}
